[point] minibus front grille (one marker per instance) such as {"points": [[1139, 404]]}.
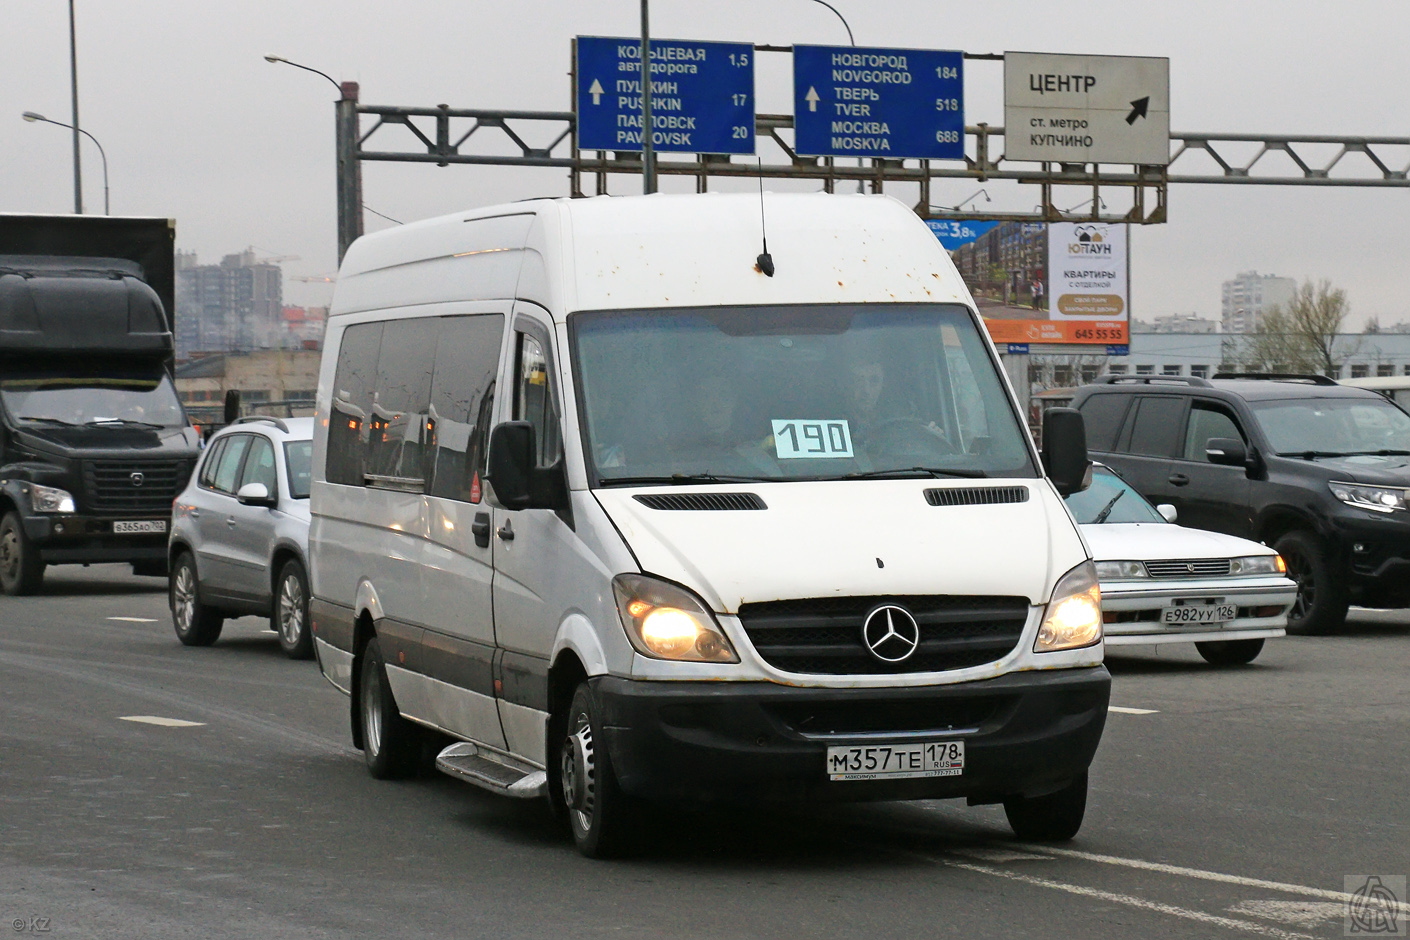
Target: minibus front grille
{"points": [[823, 636], [976, 495], [700, 501]]}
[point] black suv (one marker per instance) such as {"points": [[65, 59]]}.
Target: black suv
{"points": [[1317, 470]]}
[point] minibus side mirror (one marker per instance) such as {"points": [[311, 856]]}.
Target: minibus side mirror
{"points": [[518, 484], [1065, 450]]}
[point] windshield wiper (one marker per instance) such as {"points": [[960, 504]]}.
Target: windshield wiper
{"points": [[901, 473], [1379, 453], [1106, 510], [59, 421], [678, 479], [1313, 454], [125, 422]]}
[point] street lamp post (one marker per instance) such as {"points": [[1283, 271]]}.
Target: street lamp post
{"points": [[73, 82], [349, 199], [78, 199]]}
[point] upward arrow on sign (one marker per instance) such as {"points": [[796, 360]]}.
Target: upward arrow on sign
{"points": [[812, 98], [595, 89], [1138, 109]]}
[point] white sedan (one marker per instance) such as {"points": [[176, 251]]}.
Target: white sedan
{"points": [[1163, 583]]}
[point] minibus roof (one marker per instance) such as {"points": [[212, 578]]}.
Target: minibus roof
{"points": [[641, 252]]}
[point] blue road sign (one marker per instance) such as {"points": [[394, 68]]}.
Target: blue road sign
{"points": [[702, 95], [956, 233], [893, 103], [1017, 349]]}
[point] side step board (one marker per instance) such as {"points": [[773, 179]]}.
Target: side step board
{"points": [[492, 770]]}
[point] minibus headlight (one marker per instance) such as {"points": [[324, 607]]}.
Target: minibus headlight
{"points": [[50, 499], [1074, 615], [664, 621]]}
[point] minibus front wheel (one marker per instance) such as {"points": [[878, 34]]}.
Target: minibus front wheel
{"points": [[600, 815]]}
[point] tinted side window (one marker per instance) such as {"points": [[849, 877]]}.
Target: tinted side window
{"points": [[227, 471], [207, 478], [1208, 421], [533, 399], [1103, 415], [1157, 429], [352, 404], [462, 396], [259, 465], [400, 401]]}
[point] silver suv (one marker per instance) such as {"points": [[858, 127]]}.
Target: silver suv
{"points": [[239, 534]]}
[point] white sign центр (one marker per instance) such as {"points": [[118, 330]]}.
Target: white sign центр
{"points": [[1086, 108]]}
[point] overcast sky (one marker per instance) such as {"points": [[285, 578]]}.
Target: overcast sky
{"points": [[198, 127]]}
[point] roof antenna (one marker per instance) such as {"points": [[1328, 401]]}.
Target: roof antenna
{"points": [[765, 261]]}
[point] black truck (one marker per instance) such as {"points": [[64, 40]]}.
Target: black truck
{"points": [[94, 444]]}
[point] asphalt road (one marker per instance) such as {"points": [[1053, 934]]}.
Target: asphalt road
{"points": [[1235, 806]]}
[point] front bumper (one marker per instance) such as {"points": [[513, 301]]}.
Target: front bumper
{"points": [[1025, 733], [1377, 549], [1133, 610], [78, 539]]}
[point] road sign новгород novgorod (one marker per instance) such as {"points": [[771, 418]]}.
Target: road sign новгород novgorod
{"points": [[893, 103], [702, 95], [1086, 108]]}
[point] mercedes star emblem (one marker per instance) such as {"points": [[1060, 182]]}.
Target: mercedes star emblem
{"points": [[890, 633], [137, 478]]}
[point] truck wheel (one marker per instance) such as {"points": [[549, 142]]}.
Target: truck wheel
{"points": [[21, 571], [1321, 588], [601, 817], [389, 742], [1230, 652], [195, 623], [1055, 817], [291, 611]]}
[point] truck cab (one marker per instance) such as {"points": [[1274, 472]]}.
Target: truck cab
{"points": [[94, 444]]}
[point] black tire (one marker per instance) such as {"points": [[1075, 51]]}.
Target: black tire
{"points": [[390, 743], [1322, 596], [1054, 817], [290, 619], [196, 624], [21, 570], [1230, 652], [601, 818]]}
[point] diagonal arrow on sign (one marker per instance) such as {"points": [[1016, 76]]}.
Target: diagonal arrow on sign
{"points": [[596, 91], [1138, 109], [812, 98]]}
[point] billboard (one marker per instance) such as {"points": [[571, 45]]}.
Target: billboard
{"points": [[1036, 282]]}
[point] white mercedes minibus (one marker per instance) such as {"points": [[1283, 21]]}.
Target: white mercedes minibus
{"points": [[613, 504]]}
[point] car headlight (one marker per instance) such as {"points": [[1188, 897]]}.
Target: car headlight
{"points": [[1074, 615], [50, 499], [664, 621], [1120, 570], [1374, 498], [1258, 564]]}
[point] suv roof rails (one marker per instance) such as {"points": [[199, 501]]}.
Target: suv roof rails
{"points": [[277, 422], [1111, 379], [1309, 379]]}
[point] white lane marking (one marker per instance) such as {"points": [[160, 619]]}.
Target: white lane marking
{"points": [[1123, 710], [1296, 913], [134, 619], [1283, 886], [999, 855], [164, 722], [1231, 923]]}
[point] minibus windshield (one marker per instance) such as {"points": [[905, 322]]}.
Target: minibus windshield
{"points": [[791, 393]]}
